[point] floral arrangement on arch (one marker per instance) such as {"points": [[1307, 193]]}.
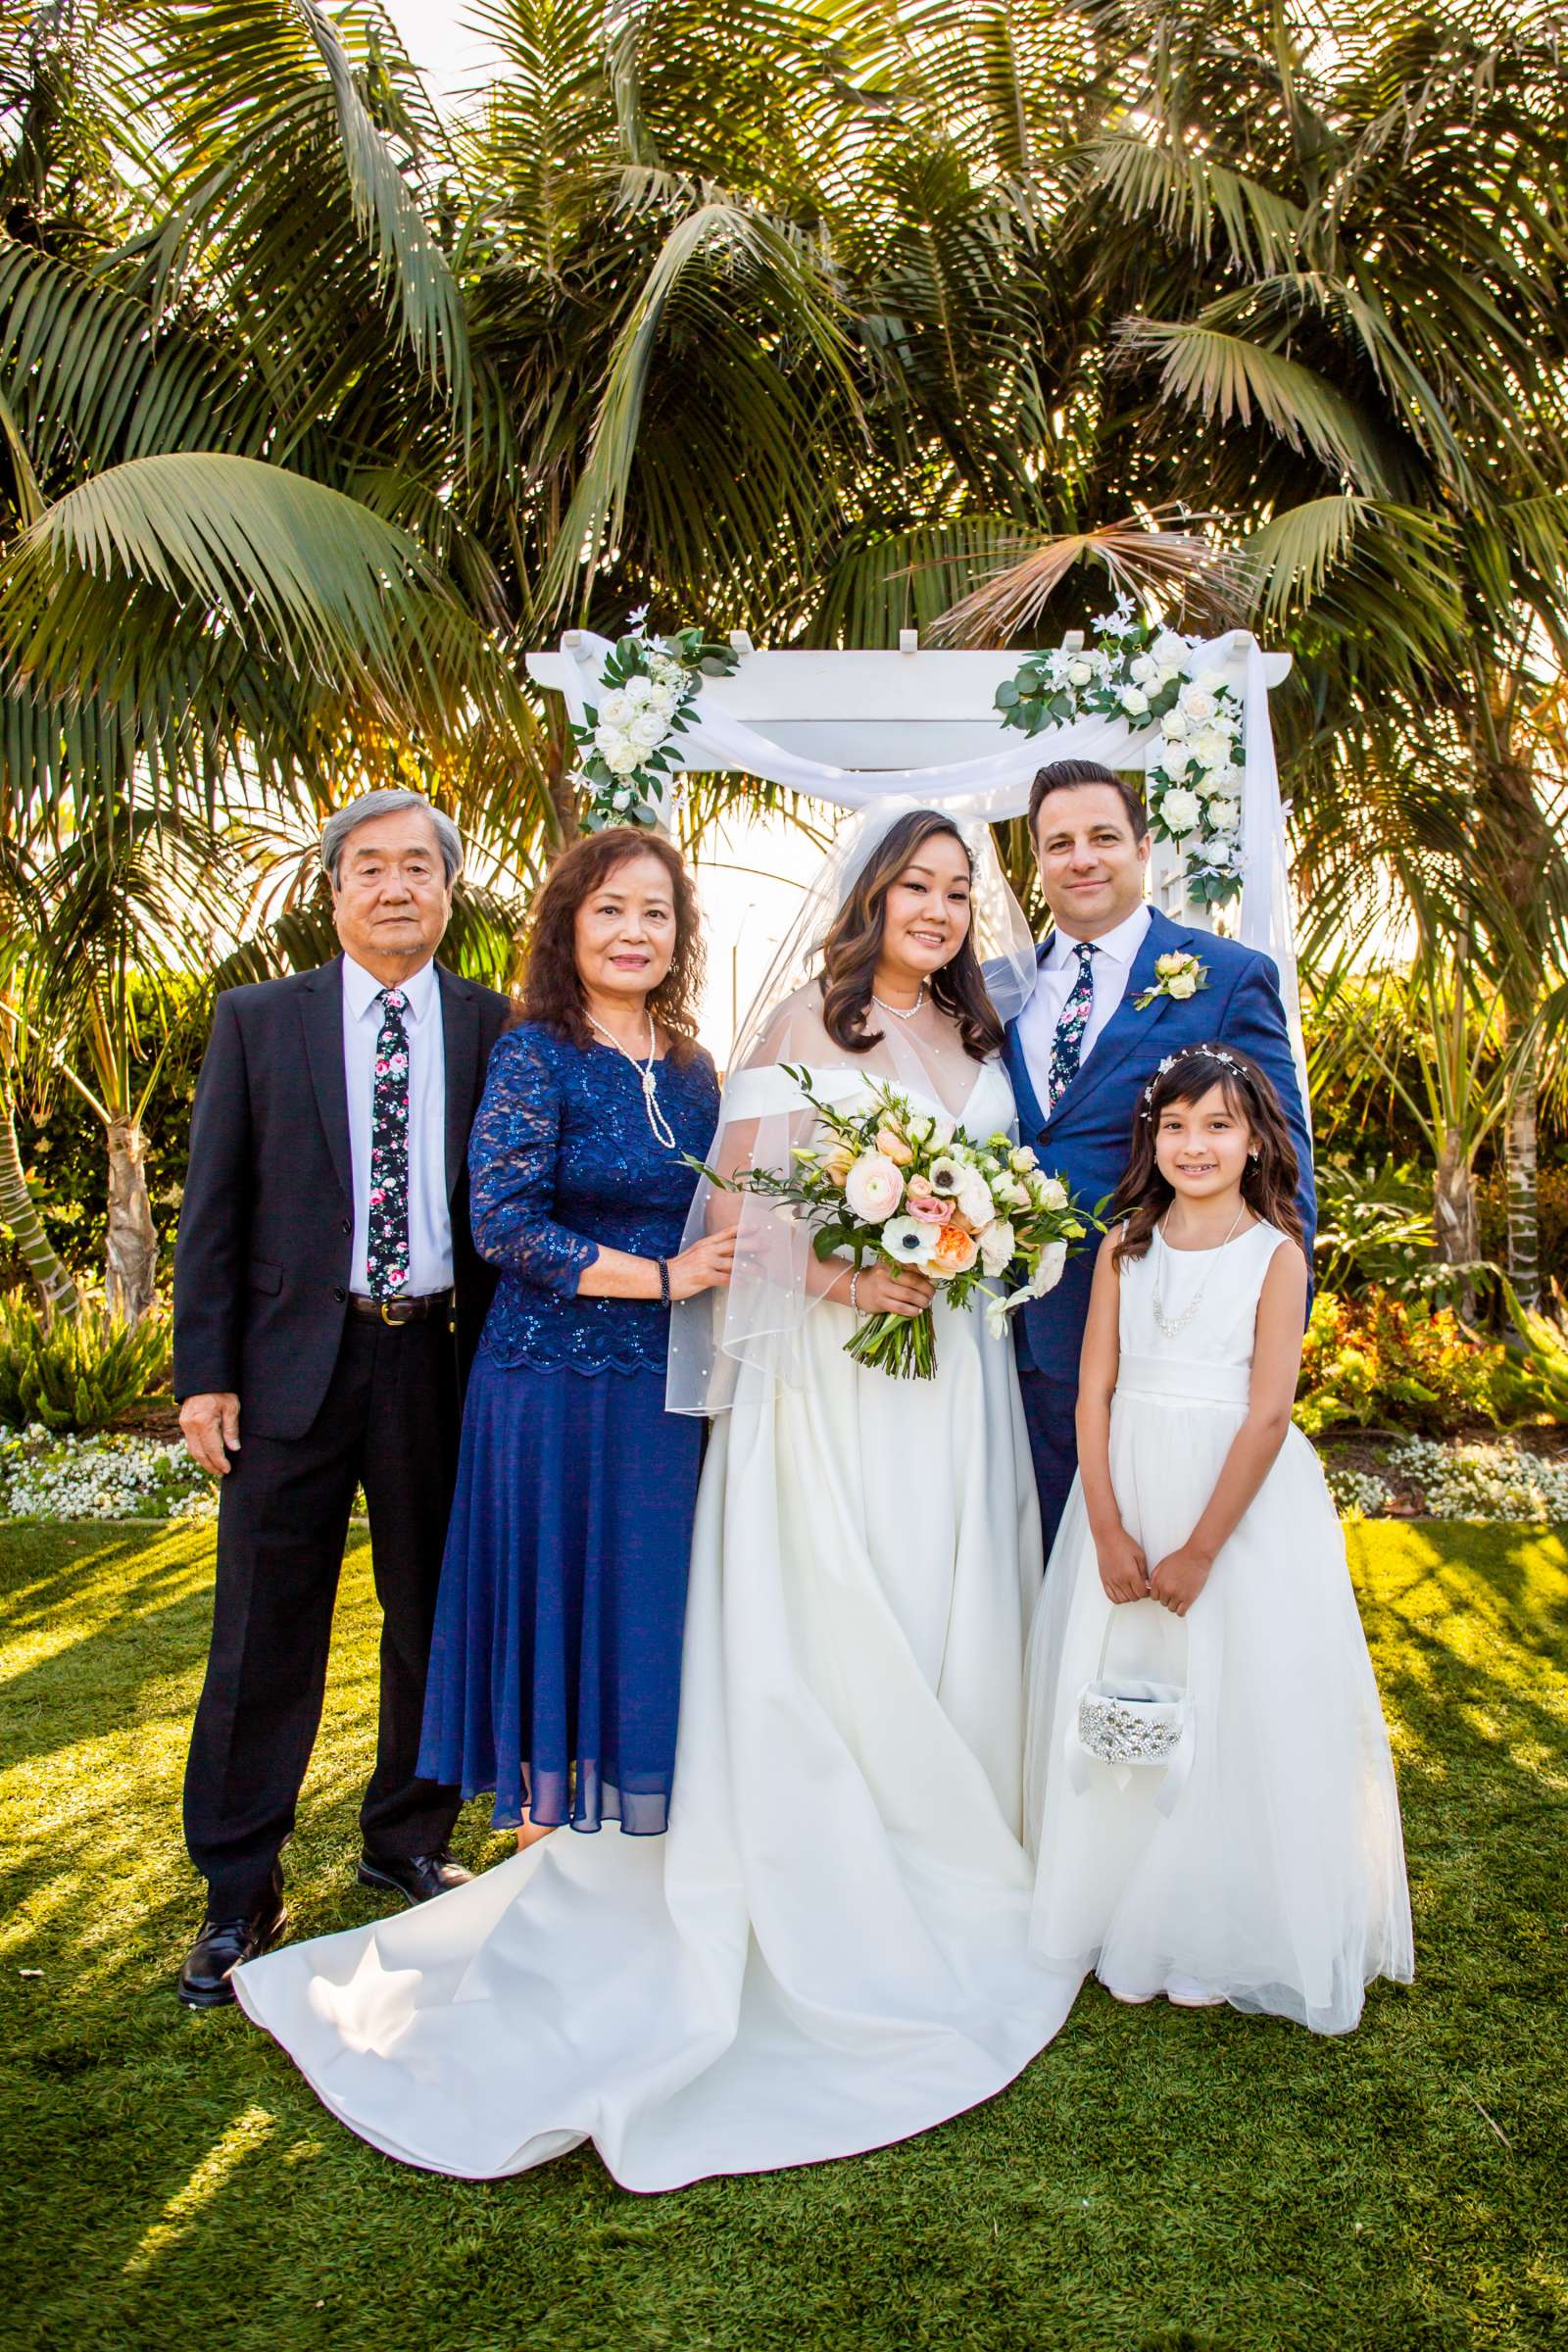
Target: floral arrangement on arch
{"points": [[627, 747], [1154, 678]]}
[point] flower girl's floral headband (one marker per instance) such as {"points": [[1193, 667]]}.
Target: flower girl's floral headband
{"points": [[1187, 1054]]}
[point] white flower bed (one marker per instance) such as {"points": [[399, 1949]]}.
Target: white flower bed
{"points": [[110, 1477], [1495, 1478], [105, 1477]]}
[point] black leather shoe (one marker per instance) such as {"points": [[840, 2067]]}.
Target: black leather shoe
{"points": [[220, 1948], [417, 1878]]}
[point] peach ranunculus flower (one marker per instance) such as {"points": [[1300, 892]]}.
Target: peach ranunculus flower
{"points": [[873, 1188], [837, 1164], [923, 1202], [892, 1146], [954, 1253]]}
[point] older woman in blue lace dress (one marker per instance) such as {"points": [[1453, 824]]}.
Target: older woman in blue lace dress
{"points": [[555, 1669]]}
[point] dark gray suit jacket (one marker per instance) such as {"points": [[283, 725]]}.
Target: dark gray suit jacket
{"points": [[261, 1263]]}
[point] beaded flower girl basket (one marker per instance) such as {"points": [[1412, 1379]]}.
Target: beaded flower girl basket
{"points": [[1129, 1720]]}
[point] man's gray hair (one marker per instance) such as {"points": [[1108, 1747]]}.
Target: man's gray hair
{"points": [[342, 822]]}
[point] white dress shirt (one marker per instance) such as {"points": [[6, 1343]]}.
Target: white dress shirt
{"points": [[429, 1219], [1112, 967]]}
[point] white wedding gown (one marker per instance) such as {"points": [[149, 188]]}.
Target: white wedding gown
{"points": [[1276, 1880], [829, 1949]]}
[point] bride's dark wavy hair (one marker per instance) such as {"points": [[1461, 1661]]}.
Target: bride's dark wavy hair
{"points": [[1268, 1182], [854, 943]]}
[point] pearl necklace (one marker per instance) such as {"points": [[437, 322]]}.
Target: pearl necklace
{"points": [[1171, 1325], [664, 1133], [898, 1014]]}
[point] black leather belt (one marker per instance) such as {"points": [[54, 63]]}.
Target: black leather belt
{"points": [[396, 1311]]}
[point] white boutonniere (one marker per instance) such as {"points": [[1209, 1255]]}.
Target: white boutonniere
{"points": [[1179, 975]]}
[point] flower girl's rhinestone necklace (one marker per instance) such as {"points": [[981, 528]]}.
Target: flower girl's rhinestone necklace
{"points": [[1170, 1325], [906, 1014], [664, 1133]]}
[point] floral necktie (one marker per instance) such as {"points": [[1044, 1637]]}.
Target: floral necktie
{"points": [[386, 1261], [1067, 1044]]}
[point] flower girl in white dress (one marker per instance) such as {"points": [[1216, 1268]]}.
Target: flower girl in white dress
{"points": [[1262, 1864]]}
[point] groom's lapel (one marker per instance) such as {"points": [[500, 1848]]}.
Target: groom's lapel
{"points": [[1031, 1116], [1127, 1027]]}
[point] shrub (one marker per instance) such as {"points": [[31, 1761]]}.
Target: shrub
{"points": [[75, 1375], [1377, 1361], [1375, 1230]]}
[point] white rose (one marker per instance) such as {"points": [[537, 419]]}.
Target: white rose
{"points": [[997, 1245], [1079, 673], [1134, 700], [1198, 703], [1048, 1273], [1181, 811], [1224, 815], [1164, 676], [1173, 726], [1143, 669], [1169, 651], [620, 755], [648, 729], [638, 690], [975, 1203], [614, 710], [1211, 748], [873, 1188], [1050, 1192], [1022, 1158], [941, 1133], [1213, 681], [1181, 986], [918, 1130]]}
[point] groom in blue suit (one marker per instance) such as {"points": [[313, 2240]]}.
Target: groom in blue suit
{"points": [[1081, 1053]]}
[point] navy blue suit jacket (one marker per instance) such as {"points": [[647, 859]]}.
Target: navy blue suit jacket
{"points": [[1089, 1138]]}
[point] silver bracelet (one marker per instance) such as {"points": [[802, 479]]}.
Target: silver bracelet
{"points": [[855, 1290]]}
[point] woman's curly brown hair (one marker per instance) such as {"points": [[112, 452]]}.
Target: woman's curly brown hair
{"points": [[855, 942], [552, 992]]}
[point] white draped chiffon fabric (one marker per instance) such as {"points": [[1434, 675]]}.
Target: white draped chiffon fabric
{"points": [[829, 1949], [1276, 1881]]}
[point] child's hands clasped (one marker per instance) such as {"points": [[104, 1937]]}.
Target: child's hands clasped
{"points": [[1178, 1579], [1123, 1569]]}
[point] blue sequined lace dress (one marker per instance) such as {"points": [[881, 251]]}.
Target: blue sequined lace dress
{"points": [[555, 1666]]}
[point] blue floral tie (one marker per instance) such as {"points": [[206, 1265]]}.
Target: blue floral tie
{"points": [[1067, 1044], [386, 1261]]}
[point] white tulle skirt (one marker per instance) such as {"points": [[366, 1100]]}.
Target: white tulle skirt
{"points": [[1276, 1880]]}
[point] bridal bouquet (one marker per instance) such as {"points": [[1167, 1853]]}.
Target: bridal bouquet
{"points": [[911, 1189]]}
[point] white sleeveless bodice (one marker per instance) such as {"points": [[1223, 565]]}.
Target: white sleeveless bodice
{"points": [[1209, 1300]]}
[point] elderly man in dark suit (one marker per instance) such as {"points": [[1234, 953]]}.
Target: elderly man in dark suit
{"points": [[1089, 1039], [328, 1296]]}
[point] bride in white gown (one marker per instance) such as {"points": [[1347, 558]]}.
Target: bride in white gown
{"points": [[829, 1949]]}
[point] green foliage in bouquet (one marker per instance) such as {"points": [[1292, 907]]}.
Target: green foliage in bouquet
{"points": [[75, 1375], [1380, 1362]]}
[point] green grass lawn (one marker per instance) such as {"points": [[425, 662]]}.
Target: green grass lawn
{"points": [[1187, 2181]]}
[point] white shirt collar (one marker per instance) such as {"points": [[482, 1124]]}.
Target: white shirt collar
{"points": [[1121, 945], [362, 989]]}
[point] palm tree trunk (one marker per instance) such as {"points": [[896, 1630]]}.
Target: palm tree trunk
{"points": [[1456, 1218], [19, 1213], [132, 1248], [1519, 1156]]}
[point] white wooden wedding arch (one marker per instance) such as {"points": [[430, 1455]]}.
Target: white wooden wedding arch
{"points": [[852, 728]]}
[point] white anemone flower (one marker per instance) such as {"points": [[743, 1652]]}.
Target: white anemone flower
{"points": [[907, 1241]]}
